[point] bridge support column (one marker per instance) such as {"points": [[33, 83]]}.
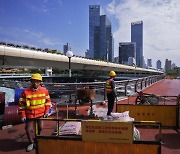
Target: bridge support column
{"points": [[48, 71]]}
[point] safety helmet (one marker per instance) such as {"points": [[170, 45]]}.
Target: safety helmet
{"points": [[36, 76], [112, 73]]}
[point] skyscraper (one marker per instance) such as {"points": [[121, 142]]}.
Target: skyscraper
{"points": [[137, 36], [66, 48], [158, 65], [94, 30], [100, 35], [149, 63], [105, 39], [131, 61], [167, 65], [126, 50]]}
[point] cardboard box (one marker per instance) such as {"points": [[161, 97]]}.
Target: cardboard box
{"points": [[107, 131]]}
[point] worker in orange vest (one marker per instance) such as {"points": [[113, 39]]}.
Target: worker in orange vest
{"points": [[111, 92], [34, 103]]}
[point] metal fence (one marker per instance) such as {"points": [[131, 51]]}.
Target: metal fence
{"points": [[67, 91]]}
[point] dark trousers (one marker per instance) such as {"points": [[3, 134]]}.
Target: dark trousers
{"points": [[111, 99], [30, 129]]}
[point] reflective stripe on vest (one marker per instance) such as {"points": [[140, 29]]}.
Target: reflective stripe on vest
{"points": [[108, 86], [35, 100], [35, 95], [35, 107]]}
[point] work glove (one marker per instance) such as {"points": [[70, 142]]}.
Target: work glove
{"points": [[46, 115], [23, 119]]}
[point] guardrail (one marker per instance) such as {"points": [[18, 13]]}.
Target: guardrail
{"points": [[67, 91]]}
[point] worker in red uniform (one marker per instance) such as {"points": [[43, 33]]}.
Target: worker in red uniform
{"points": [[111, 92], [34, 103]]}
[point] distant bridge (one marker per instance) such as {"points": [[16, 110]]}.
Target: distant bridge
{"points": [[19, 57]]}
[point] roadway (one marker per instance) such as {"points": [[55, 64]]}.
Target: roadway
{"points": [[19, 57]]}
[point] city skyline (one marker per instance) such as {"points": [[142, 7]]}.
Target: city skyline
{"points": [[52, 23]]}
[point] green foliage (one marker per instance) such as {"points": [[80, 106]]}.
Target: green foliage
{"points": [[174, 72]]}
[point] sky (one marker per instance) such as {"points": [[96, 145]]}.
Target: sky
{"points": [[54, 23]]}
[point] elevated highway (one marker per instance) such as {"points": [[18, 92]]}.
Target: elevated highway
{"points": [[19, 57]]}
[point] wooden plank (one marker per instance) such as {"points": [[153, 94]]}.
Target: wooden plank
{"points": [[166, 114], [50, 146]]}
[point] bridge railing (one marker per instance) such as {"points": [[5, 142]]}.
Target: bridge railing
{"points": [[67, 91], [125, 88]]}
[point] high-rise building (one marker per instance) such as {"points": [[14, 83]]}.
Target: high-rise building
{"points": [[105, 39], [167, 65], [126, 50], [158, 65], [131, 61], [100, 35], [137, 36], [66, 48], [144, 63], [116, 59], [149, 63], [94, 30], [173, 65]]}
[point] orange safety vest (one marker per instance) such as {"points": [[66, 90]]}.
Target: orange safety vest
{"points": [[108, 86], [33, 104]]}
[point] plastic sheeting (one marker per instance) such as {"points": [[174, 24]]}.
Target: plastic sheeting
{"points": [[9, 96]]}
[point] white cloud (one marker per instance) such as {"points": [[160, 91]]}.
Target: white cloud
{"points": [[161, 30], [29, 37], [48, 41], [40, 37]]}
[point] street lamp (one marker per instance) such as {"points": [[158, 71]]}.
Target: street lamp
{"points": [[69, 54]]}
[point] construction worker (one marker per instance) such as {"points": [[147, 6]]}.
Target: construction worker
{"points": [[111, 92], [34, 103]]}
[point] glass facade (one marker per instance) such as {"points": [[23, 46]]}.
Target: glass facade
{"points": [[66, 48], [105, 39], [94, 26], [158, 64], [126, 50], [167, 65], [149, 63], [100, 35], [137, 36]]}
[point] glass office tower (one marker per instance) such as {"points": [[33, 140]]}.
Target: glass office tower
{"points": [[94, 30], [158, 64], [105, 39], [100, 35], [66, 47], [137, 36], [126, 50]]}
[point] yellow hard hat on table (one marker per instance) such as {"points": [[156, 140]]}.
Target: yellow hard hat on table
{"points": [[112, 73], [36, 76]]}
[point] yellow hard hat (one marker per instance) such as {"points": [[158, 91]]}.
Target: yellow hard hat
{"points": [[112, 73], [36, 76]]}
